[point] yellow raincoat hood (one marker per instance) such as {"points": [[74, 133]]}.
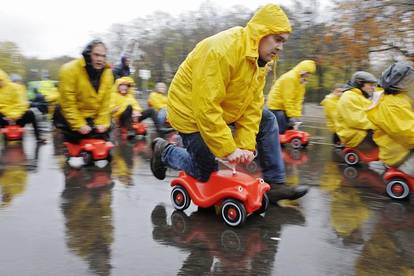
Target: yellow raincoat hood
{"points": [[288, 92], [308, 66], [220, 83], [120, 102], [269, 19]]}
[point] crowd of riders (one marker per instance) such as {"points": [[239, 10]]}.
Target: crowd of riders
{"points": [[216, 103]]}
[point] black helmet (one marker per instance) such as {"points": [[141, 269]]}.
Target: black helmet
{"points": [[392, 78], [361, 77]]}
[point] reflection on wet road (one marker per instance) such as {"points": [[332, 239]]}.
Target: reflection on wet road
{"points": [[55, 220]]}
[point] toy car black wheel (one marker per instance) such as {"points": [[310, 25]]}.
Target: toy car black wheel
{"points": [[351, 158], [230, 241], [296, 154], [180, 198], [296, 143], [233, 212], [87, 157], [65, 152], [109, 157], [179, 222], [251, 167], [350, 172], [265, 205], [398, 188]]}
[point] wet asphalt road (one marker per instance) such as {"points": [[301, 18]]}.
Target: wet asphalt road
{"points": [[119, 221]]}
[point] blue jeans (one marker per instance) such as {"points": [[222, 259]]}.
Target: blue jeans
{"points": [[162, 116], [282, 120], [197, 160]]}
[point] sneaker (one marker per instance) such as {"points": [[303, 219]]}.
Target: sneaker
{"points": [[158, 168], [76, 162], [281, 191]]}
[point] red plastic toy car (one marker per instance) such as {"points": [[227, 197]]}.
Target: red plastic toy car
{"points": [[294, 156], [296, 138], [237, 194], [399, 184], [90, 150], [140, 128], [12, 132], [354, 157]]}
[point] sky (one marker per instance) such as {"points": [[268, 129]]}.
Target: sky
{"points": [[51, 28]]}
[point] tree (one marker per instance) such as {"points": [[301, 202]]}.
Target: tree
{"points": [[11, 59]]}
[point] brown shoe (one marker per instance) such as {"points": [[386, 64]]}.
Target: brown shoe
{"points": [[281, 191]]}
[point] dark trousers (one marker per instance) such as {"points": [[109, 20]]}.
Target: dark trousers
{"points": [[72, 136], [368, 143], [282, 120], [27, 118], [126, 117], [197, 160]]}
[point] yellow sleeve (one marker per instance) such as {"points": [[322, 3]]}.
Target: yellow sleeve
{"points": [[151, 100], [20, 105], [247, 126], [135, 104], [288, 88], [398, 122], [353, 112], [112, 102], [210, 77], [104, 118], [67, 89]]}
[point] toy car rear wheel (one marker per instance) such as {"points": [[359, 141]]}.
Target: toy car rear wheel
{"points": [[351, 158], [179, 222], [233, 212], [398, 188], [350, 172], [265, 204], [87, 157], [180, 198], [296, 143]]}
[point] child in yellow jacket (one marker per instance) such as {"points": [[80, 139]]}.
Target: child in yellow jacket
{"points": [[330, 105], [125, 107]]}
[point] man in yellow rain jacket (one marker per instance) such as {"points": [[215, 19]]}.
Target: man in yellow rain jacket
{"points": [[220, 83], [158, 100], [85, 90], [286, 96], [330, 105], [14, 106], [394, 117], [353, 126]]}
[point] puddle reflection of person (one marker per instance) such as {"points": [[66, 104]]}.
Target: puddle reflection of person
{"points": [[14, 169], [86, 206], [216, 248]]}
